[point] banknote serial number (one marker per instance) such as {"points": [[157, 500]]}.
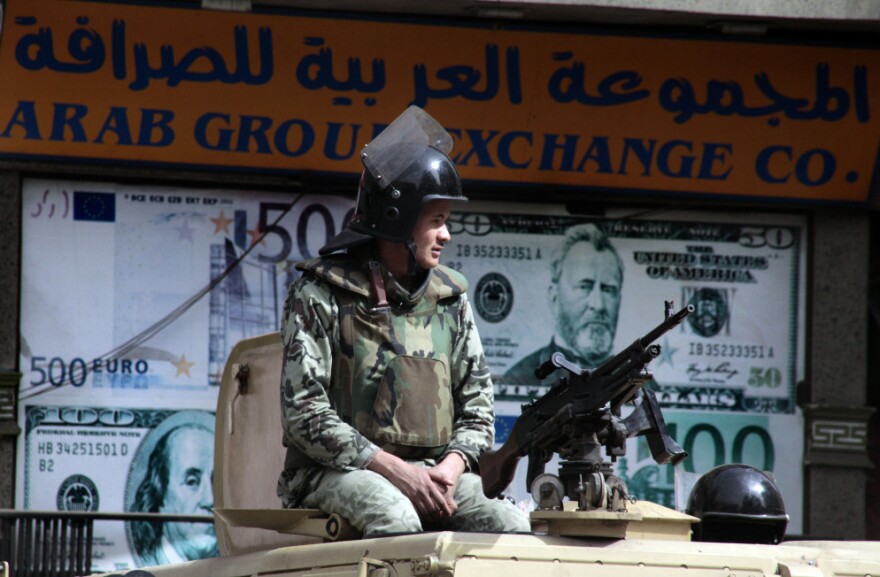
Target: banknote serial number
{"points": [[83, 449], [511, 252], [730, 351]]}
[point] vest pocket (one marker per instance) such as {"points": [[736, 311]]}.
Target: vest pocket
{"points": [[413, 407]]}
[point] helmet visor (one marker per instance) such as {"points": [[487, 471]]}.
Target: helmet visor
{"points": [[386, 159]]}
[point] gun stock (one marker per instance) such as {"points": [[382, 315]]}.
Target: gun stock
{"points": [[497, 467]]}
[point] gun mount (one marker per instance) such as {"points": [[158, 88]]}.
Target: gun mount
{"points": [[578, 417]]}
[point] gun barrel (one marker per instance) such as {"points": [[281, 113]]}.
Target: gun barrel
{"points": [[667, 325], [615, 373]]}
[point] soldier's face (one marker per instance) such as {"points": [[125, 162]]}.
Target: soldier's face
{"points": [[431, 234], [586, 300], [189, 491]]}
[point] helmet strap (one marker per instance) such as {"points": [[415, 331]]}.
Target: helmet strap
{"points": [[368, 254], [377, 284], [412, 268]]}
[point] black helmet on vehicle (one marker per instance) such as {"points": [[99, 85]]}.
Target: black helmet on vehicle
{"points": [[738, 504], [405, 167]]}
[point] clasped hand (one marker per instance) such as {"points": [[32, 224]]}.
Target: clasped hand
{"points": [[430, 489]]}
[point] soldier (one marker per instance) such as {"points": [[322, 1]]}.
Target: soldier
{"points": [[386, 396]]}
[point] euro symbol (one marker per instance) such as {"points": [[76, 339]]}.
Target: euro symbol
{"points": [[472, 224]]}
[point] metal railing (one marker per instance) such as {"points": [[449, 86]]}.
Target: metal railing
{"points": [[59, 543]]}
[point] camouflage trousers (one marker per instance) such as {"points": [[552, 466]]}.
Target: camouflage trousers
{"points": [[376, 507]]}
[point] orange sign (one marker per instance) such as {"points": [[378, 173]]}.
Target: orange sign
{"points": [[197, 88]]}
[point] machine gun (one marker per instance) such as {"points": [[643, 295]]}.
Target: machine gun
{"points": [[577, 417]]}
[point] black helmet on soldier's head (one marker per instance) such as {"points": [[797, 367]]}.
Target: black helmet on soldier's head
{"points": [[738, 504], [405, 167], [391, 213]]}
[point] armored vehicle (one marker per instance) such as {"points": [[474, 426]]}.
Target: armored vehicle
{"points": [[629, 539]]}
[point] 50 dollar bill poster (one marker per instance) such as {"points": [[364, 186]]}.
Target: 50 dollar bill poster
{"points": [[109, 353], [542, 281], [590, 287]]}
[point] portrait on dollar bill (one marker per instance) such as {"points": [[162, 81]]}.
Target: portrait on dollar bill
{"points": [[583, 293], [172, 472]]}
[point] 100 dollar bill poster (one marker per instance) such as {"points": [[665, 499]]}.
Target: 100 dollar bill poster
{"points": [[122, 361]]}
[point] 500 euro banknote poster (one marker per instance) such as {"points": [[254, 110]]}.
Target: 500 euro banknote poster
{"points": [[108, 263]]}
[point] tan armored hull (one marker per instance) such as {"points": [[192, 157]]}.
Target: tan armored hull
{"points": [[488, 555], [259, 538]]}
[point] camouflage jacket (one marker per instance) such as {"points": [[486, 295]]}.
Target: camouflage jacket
{"points": [[411, 380]]}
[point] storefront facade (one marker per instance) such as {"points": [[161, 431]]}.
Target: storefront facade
{"points": [[145, 149]]}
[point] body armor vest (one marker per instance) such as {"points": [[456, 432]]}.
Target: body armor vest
{"points": [[390, 374]]}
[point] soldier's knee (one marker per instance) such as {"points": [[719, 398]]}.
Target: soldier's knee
{"points": [[508, 518], [517, 522], [494, 516]]}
